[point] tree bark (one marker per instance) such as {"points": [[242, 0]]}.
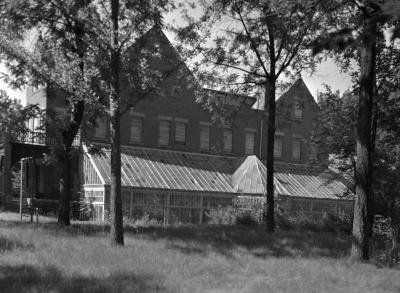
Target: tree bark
{"points": [[363, 176], [64, 185], [269, 108], [395, 235], [69, 135], [116, 231]]}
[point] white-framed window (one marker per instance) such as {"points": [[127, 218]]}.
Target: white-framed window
{"points": [[227, 140], [180, 132], [298, 110], [163, 132], [278, 146], [250, 141], [136, 135], [296, 148], [101, 129], [205, 131]]}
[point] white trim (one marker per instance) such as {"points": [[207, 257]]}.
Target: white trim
{"points": [[202, 123], [250, 130], [280, 133], [93, 164]]}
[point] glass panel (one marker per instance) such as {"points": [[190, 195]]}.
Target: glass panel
{"points": [[250, 142], [204, 137], [136, 129], [180, 132], [298, 110], [227, 140], [163, 138]]}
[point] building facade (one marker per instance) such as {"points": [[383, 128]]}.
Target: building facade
{"points": [[179, 159]]}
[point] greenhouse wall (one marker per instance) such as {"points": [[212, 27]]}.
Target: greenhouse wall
{"points": [[168, 206]]}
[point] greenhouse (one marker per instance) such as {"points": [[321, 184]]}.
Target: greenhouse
{"points": [[176, 186]]}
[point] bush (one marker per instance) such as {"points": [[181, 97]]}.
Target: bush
{"points": [[302, 222], [222, 215], [234, 215], [247, 218], [337, 224]]}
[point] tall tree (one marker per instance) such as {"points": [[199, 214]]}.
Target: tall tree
{"points": [[246, 45], [116, 232], [77, 57], [57, 31], [361, 24], [353, 24]]}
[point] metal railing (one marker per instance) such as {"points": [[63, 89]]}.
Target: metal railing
{"points": [[41, 138]]}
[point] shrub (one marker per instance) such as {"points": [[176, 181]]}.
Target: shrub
{"points": [[235, 215], [339, 224], [247, 218], [222, 215]]}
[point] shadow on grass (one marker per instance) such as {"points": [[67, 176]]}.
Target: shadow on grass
{"points": [[7, 244], [222, 239], [50, 279], [193, 239]]}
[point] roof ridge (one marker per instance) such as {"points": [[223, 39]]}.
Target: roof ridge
{"points": [[170, 151]]}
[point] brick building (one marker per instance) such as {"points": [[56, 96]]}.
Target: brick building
{"points": [[177, 161]]}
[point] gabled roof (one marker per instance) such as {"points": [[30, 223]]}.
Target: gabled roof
{"points": [[175, 170], [297, 86]]}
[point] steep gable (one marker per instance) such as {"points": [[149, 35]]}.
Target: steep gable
{"points": [[153, 57], [298, 91]]}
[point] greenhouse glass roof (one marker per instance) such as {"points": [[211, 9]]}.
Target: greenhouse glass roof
{"points": [[166, 169]]}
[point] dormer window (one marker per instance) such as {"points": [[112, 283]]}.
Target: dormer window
{"points": [[298, 110]]}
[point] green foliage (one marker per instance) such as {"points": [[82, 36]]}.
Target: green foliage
{"points": [[239, 213], [239, 45], [14, 116]]}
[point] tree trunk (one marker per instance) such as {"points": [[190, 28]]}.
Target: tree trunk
{"points": [[64, 185], [363, 177], [270, 108], [395, 235], [116, 231]]}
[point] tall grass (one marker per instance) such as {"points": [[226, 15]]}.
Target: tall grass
{"points": [[46, 258]]}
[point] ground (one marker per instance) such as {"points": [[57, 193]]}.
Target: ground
{"points": [[46, 258]]}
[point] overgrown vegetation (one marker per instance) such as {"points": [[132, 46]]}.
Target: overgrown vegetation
{"points": [[287, 222]]}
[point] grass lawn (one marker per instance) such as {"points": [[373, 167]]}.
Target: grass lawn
{"points": [[46, 258]]}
